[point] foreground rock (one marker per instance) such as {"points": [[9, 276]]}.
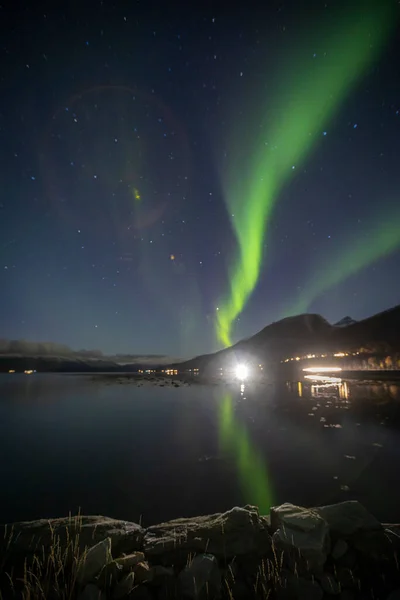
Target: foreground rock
{"points": [[238, 532], [92, 592], [27, 537], [201, 579], [339, 551], [347, 518], [292, 586], [93, 561], [302, 535]]}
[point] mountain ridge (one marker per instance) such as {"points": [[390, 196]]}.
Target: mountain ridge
{"points": [[345, 322], [306, 333], [310, 333]]}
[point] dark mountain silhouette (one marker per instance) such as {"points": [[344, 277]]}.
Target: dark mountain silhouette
{"points": [[62, 364], [21, 355], [308, 333], [381, 332], [345, 322], [299, 335], [54, 364]]}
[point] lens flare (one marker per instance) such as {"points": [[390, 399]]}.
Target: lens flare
{"points": [[311, 92]]}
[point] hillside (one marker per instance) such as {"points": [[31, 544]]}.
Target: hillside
{"points": [[299, 335], [57, 364], [308, 333], [381, 331], [345, 322], [54, 364]]}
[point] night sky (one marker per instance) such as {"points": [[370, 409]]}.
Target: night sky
{"points": [[123, 128]]}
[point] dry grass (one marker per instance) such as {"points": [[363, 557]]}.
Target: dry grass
{"points": [[265, 581], [51, 573]]}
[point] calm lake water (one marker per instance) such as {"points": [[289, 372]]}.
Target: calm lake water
{"points": [[155, 453]]}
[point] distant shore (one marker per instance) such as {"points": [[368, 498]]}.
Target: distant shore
{"points": [[180, 379]]}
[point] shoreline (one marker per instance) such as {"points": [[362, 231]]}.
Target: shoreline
{"points": [[157, 378], [364, 376], [294, 552]]}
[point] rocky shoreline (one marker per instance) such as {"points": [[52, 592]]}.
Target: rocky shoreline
{"points": [[338, 551], [187, 379], [156, 379]]}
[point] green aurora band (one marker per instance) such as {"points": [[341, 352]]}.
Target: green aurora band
{"points": [[293, 123], [379, 239]]}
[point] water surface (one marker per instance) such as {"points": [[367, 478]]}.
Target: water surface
{"points": [[155, 453]]}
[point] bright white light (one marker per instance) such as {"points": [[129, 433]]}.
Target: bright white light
{"points": [[241, 372], [322, 369]]}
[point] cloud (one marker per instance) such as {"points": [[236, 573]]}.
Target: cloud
{"points": [[47, 349], [160, 359], [34, 348]]}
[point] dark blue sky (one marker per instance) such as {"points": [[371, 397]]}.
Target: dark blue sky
{"points": [[106, 101]]}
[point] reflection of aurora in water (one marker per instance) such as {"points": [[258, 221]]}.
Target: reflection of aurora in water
{"points": [[272, 444], [251, 468]]}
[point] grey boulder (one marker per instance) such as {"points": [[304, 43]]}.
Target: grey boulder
{"points": [[21, 540], [93, 561], [302, 535], [347, 518], [234, 533], [201, 580], [130, 560], [293, 587], [339, 549], [91, 592], [329, 584], [124, 587]]}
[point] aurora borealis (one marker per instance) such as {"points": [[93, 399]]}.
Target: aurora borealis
{"points": [[381, 240], [175, 180], [175, 177], [298, 112]]}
